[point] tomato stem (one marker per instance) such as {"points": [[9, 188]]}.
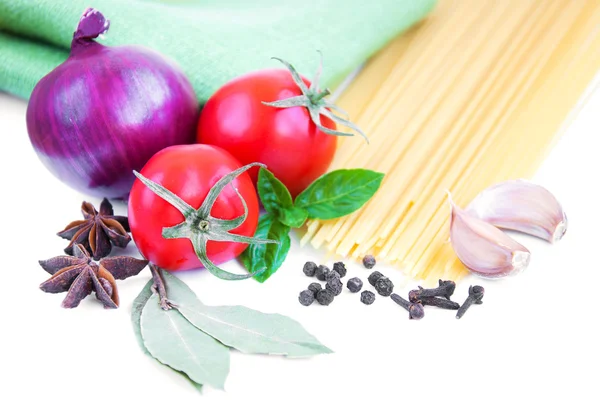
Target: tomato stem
{"points": [[315, 99], [200, 227]]}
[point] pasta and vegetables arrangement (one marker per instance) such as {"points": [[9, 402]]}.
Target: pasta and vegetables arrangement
{"points": [[422, 164]]}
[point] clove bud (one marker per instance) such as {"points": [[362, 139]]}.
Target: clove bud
{"points": [[484, 249], [521, 206], [445, 289], [415, 309]]}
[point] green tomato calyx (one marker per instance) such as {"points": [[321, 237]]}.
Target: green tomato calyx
{"points": [[314, 99], [200, 227]]}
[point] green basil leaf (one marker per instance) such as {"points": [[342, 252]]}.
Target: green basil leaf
{"points": [[293, 217], [269, 256], [339, 193], [273, 193], [242, 328], [173, 341], [136, 317]]}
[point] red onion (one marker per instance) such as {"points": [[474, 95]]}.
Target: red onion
{"points": [[106, 110]]}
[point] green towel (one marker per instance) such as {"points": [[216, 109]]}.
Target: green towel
{"points": [[212, 40]]}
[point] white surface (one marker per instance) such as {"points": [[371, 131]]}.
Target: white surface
{"points": [[531, 348]]}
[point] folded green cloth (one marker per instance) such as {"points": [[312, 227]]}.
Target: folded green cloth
{"points": [[212, 40]]}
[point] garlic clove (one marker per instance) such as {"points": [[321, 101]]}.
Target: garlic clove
{"points": [[484, 249], [523, 206]]}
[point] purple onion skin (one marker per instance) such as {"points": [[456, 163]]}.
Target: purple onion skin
{"points": [[106, 110]]}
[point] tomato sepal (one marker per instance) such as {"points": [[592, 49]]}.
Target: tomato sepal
{"points": [[200, 227], [314, 100]]}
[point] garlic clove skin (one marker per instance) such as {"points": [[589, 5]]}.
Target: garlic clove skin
{"points": [[522, 206], [484, 249]]}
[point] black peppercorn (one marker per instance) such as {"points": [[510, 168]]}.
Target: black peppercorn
{"points": [[332, 275], [384, 286], [367, 297], [306, 297], [314, 287], [354, 284], [340, 268], [373, 277], [325, 297], [369, 261], [335, 286], [321, 272], [309, 268]]}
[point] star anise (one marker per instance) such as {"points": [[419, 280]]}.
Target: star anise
{"points": [[79, 275], [98, 231]]}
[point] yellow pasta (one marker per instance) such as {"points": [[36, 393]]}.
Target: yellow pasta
{"points": [[474, 95]]}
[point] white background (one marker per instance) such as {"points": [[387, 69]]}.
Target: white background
{"points": [[531, 348]]}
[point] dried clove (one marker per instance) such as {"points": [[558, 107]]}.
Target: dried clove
{"points": [[475, 297], [445, 289], [438, 302], [415, 309]]}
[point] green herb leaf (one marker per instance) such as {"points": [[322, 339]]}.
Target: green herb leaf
{"points": [[273, 193], [267, 256], [136, 315], [277, 200], [242, 328], [173, 341], [339, 193], [293, 217]]}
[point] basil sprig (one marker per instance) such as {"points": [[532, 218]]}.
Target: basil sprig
{"points": [[331, 196]]}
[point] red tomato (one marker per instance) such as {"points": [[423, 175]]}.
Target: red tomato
{"points": [[286, 140], [189, 171]]}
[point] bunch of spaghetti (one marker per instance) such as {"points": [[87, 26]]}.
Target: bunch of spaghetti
{"points": [[474, 95]]}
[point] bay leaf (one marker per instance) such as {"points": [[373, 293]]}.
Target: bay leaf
{"points": [[242, 328], [174, 341], [136, 314]]}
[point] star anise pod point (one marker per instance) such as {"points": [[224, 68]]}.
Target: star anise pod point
{"points": [[98, 231], [79, 276]]}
